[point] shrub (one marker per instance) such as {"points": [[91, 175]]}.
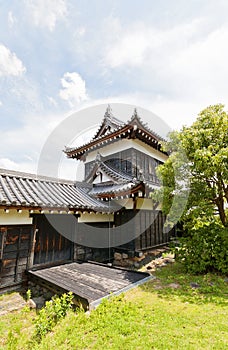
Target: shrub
{"points": [[204, 248], [51, 313]]}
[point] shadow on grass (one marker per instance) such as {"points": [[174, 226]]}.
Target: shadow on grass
{"points": [[173, 282]]}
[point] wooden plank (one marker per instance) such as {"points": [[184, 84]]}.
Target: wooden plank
{"points": [[88, 280], [10, 272], [97, 281], [69, 284]]}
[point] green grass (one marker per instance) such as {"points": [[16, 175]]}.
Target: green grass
{"points": [[16, 328], [212, 287], [153, 316]]}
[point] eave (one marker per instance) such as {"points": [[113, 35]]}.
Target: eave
{"points": [[127, 190], [129, 131], [43, 194]]}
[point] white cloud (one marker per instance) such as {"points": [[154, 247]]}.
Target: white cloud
{"points": [[45, 13], [7, 163], [0, 103], [186, 62], [74, 89], [21, 147], [128, 50], [52, 101], [80, 31], [11, 19], [137, 44], [203, 66], [9, 63], [24, 166]]}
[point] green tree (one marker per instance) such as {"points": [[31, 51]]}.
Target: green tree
{"points": [[198, 168], [195, 189]]}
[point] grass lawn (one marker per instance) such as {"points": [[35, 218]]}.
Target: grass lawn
{"points": [[176, 311], [16, 328]]}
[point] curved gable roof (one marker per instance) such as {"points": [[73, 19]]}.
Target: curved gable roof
{"points": [[131, 129], [109, 123]]}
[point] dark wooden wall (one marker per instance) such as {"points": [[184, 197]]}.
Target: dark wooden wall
{"points": [[146, 226], [24, 246], [131, 162], [50, 245], [153, 233], [15, 248]]}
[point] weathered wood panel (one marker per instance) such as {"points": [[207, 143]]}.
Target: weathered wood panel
{"points": [[152, 230], [89, 281], [50, 245], [15, 243]]}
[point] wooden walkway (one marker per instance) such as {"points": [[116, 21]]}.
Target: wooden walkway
{"points": [[89, 281]]}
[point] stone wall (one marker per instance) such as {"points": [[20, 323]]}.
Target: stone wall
{"points": [[142, 258], [39, 294]]}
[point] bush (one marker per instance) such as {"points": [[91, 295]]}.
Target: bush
{"points": [[204, 249], [51, 313]]}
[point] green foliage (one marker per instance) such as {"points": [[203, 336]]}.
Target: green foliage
{"points": [[12, 341], [144, 319], [15, 327], [54, 310], [195, 177], [152, 316], [204, 248], [28, 294], [212, 287], [195, 189]]}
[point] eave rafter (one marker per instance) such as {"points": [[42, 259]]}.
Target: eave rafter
{"points": [[125, 193], [132, 130]]}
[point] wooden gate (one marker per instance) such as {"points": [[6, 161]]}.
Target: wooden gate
{"points": [[15, 246]]}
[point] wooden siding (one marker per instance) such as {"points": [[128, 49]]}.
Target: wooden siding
{"points": [[147, 226], [15, 248], [132, 162], [50, 245], [152, 234]]}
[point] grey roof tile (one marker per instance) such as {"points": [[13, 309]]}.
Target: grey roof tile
{"points": [[27, 190]]}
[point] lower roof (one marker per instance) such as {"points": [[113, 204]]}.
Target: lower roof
{"points": [[19, 189], [88, 280]]}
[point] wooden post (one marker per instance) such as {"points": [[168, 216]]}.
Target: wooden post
{"points": [[2, 241], [75, 251], [18, 255], [32, 247]]}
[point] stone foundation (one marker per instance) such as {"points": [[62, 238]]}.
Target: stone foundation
{"points": [[136, 262], [39, 295]]}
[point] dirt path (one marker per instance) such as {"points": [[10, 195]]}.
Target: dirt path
{"points": [[11, 302]]}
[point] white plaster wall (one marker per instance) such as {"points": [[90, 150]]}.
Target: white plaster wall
{"points": [[124, 144], [144, 203], [15, 218], [104, 178], [126, 202], [86, 217]]}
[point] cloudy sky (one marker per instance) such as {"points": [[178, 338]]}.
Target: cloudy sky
{"points": [[61, 56]]}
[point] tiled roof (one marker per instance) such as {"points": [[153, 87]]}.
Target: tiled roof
{"points": [[115, 190], [152, 185], [114, 174], [31, 191], [109, 123], [132, 129], [122, 189]]}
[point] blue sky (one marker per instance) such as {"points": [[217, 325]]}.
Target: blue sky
{"points": [[60, 56]]}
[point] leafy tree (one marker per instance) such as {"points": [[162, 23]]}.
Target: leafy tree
{"points": [[197, 168], [195, 189]]}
